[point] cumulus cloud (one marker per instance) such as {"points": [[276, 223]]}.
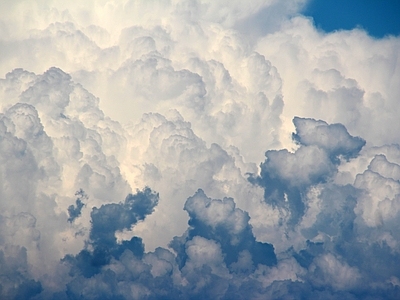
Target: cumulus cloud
{"points": [[195, 149], [286, 176]]}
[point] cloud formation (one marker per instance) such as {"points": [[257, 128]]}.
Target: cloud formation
{"points": [[195, 149]]}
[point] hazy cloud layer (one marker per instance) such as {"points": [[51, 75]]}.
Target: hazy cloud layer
{"points": [[195, 149]]}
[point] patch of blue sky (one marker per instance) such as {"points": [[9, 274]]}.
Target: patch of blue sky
{"points": [[378, 17]]}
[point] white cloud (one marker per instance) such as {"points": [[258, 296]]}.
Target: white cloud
{"points": [[196, 100]]}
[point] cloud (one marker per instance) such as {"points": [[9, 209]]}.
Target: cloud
{"points": [[203, 264], [195, 149], [286, 176], [331, 77], [221, 221], [334, 138], [16, 281], [75, 212]]}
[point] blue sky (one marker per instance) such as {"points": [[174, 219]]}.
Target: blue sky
{"points": [[378, 17]]}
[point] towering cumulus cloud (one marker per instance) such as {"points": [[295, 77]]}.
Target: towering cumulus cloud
{"points": [[195, 150]]}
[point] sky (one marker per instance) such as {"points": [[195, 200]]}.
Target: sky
{"points": [[197, 149], [378, 18]]}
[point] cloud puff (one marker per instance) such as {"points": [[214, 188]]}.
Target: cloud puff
{"points": [[334, 138], [221, 221], [286, 176]]}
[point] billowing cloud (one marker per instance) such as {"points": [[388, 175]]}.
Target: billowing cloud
{"points": [[195, 149]]}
